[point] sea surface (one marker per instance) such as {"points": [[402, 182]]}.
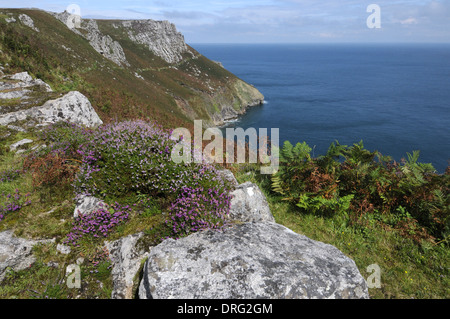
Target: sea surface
{"points": [[393, 97]]}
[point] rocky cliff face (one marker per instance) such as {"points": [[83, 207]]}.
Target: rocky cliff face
{"points": [[126, 68], [161, 37], [222, 101]]}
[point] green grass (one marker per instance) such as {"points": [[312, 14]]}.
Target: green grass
{"points": [[408, 270]]}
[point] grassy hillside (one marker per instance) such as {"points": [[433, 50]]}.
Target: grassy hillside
{"points": [[172, 94]]}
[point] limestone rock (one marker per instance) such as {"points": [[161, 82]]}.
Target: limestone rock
{"points": [[161, 37], [249, 204], [28, 22], [22, 76], [228, 175], [73, 107], [14, 147], [104, 44], [125, 256], [23, 80], [63, 249], [15, 253], [87, 204], [251, 260]]}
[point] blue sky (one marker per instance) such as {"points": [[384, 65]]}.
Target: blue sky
{"points": [[271, 21]]}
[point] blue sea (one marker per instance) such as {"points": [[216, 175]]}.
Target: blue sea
{"points": [[393, 97]]}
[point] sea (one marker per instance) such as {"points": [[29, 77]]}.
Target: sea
{"points": [[393, 97]]}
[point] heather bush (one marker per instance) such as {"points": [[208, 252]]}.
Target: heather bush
{"points": [[98, 224], [9, 175], [134, 158], [197, 209], [13, 203]]}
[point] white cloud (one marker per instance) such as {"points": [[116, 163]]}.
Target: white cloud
{"points": [[409, 21]]}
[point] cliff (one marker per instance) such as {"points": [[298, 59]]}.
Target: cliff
{"points": [[126, 68]]}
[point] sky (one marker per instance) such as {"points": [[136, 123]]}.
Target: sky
{"points": [[276, 21]]}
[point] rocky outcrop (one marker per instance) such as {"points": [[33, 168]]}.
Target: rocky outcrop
{"points": [[25, 19], [73, 107], [20, 81], [226, 174], [86, 205], [20, 144], [251, 260], [161, 37], [249, 204], [126, 256], [254, 259], [15, 253], [102, 43], [20, 98], [245, 97]]}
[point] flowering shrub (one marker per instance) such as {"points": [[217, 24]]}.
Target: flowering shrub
{"points": [[14, 202], [134, 158], [9, 175], [196, 209], [97, 224]]}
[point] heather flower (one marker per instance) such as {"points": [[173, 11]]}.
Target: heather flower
{"points": [[135, 157], [13, 203], [9, 175], [98, 224]]}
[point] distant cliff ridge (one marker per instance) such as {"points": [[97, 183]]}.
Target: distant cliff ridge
{"points": [[126, 68], [161, 37]]}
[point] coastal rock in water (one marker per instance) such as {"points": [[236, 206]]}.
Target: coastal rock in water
{"points": [[125, 255], [249, 204], [251, 260], [15, 253], [73, 107], [87, 204]]}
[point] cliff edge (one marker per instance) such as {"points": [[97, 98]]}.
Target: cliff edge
{"points": [[126, 68]]}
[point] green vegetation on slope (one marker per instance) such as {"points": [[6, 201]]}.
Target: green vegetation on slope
{"points": [[125, 164], [173, 95], [394, 215]]}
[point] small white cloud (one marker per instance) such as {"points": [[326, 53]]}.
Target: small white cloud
{"points": [[409, 21]]}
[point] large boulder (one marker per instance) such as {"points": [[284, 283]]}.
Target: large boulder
{"points": [[249, 204], [251, 260], [125, 255], [16, 253], [73, 107]]}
